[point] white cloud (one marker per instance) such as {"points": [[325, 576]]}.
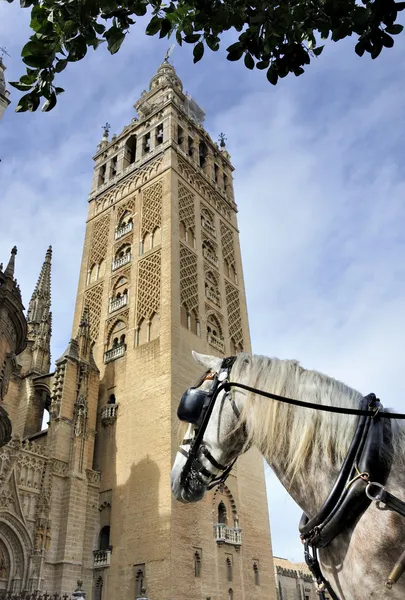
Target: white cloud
{"points": [[319, 184]]}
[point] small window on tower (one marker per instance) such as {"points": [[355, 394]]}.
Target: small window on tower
{"points": [[146, 143], [225, 181], [114, 166], [216, 170], [229, 574], [139, 580], [256, 572], [180, 136], [159, 134], [101, 175], [190, 146], [197, 563], [203, 151], [130, 150]]}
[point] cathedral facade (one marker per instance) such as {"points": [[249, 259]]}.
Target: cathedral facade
{"points": [[161, 275]]}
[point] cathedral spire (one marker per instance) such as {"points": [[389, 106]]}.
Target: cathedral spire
{"points": [[9, 272], [40, 303], [39, 318], [84, 336]]}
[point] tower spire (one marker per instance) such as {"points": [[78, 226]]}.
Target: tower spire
{"points": [[9, 272]]}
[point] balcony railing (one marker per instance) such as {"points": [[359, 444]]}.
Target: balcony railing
{"points": [[209, 227], [216, 342], [123, 230], [109, 414], [101, 559], [211, 258], [214, 297], [114, 353], [123, 260], [227, 535], [118, 303]]}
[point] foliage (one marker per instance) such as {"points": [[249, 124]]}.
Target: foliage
{"points": [[278, 37]]}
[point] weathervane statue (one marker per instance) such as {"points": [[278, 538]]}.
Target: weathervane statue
{"points": [[168, 53]]}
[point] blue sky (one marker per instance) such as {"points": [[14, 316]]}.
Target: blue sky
{"points": [[319, 182]]}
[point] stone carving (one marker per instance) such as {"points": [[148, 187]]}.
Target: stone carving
{"points": [[186, 206], [92, 301], [99, 240], [130, 184], [148, 300], [203, 187], [128, 205], [188, 279], [151, 208], [56, 396], [93, 477], [60, 467], [228, 249], [123, 316], [234, 315]]}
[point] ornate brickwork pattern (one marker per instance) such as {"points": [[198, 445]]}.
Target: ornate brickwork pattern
{"points": [[129, 205], [234, 315], [92, 300], [148, 301], [188, 279], [197, 181], [209, 311], [186, 206], [99, 240], [228, 248], [56, 396], [140, 177], [124, 273], [152, 208]]}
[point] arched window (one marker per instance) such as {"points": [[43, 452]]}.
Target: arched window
{"points": [[229, 574], [156, 237], [130, 150], [203, 152], [104, 538], [207, 221], [197, 564], [213, 328], [182, 231], [256, 573], [193, 321], [111, 399], [222, 516], [184, 316], [154, 327], [230, 594]]}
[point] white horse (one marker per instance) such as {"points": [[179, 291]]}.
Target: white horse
{"points": [[305, 448]]}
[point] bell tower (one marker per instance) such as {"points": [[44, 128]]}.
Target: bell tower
{"points": [[161, 275]]}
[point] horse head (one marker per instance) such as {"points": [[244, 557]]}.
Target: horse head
{"points": [[213, 439]]}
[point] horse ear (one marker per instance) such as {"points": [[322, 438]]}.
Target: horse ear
{"points": [[207, 361]]}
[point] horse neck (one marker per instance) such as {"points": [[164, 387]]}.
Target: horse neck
{"points": [[307, 447]]}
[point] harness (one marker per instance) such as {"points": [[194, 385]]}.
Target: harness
{"points": [[360, 481]]}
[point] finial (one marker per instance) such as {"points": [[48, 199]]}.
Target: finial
{"points": [[222, 140], [168, 53], [106, 128], [9, 272]]}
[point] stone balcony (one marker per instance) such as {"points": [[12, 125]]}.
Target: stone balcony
{"points": [[121, 231], [101, 559], [114, 353], [227, 535], [216, 342], [118, 303], [208, 227], [119, 262], [210, 258], [109, 414]]}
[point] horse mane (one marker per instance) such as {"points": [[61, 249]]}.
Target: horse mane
{"points": [[304, 437]]}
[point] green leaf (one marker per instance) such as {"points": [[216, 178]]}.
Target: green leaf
{"points": [[114, 37], [59, 90], [49, 104], [154, 26], [249, 62], [387, 40], [235, 47], [22, 105], [272, 75], [192, 38], [77, 48], [33, 101], [212, 42], [198, 52], [165, 28], [299, 71], [60, 65], [39, 62], [179, 39], [99, 28], [23, 87], [318, 51], [262, 64], [394, 29], [235, 54], [360, 48]]}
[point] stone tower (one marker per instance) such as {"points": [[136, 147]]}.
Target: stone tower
{"points": [[161, 275], [4, 93]]}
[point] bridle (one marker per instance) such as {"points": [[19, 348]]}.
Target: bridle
{"points": [[196, 407], [345, 503]]}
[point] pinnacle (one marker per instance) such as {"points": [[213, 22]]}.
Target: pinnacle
{"points": [[41, 298], [9, 272]]}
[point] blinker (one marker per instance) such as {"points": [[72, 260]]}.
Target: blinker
{"points": [[191, 405]]}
